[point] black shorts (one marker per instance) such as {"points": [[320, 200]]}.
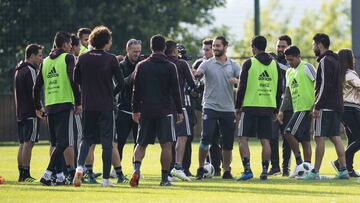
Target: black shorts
{"points": [[252, 125], [183, 128], [150, 128], [61, 128], [28, 130], [328, 124], [99, 127], [125, 125], [299, 126], [226, 122]]}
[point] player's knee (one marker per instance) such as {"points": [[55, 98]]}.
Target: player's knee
{"points": [[204, 146]]}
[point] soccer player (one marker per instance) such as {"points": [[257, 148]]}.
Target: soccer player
{"points": [[75, 46], [61, 94], [284, 41], [124, 121], [155, 85], [94, 73], [182, 129], [215, 149], [83, 35], [28, 123], [351, 115], [221, 75], [329, 105], [299, 86], [258, 98]]}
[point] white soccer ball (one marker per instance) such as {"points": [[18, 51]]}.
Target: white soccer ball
{"points": [[210, 170], [303, 169]]}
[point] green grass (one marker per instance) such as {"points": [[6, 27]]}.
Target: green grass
{"points": [[276, 189]]}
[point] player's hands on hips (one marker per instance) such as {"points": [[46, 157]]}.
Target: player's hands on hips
{"points": [[136, 117], [179, 118]]}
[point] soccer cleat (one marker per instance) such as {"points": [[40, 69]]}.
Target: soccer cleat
{"points": [[285, 172], [179, 174], [65, 181], [90, 178], [336, 165], [200, 174], [293, 174], [227, 175], [246, 176], [21, 179], [29, 179], [77, 178], [122, 179], [310, 176], [342, 175], [135, 177], [263, 176], [274, 172], [164, 184], [47, 179], [353, 174], [107, 183]]}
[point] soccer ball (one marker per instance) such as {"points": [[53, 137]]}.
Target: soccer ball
{"points": [[303, 169], [210, 170]]}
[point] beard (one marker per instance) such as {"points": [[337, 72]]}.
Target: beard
{"points": [[317, 52], [280, 54], [219, 53]]}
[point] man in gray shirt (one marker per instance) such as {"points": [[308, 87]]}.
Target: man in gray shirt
{"points": [[220, 74]]}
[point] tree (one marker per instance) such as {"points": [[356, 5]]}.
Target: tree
{"points": [[32, 21]]}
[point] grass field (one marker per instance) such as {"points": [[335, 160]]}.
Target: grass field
{"points": [[276, 189]]}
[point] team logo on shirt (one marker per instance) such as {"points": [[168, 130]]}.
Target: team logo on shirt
{"points": [[294, 84], [265, 76], [52, 73]]}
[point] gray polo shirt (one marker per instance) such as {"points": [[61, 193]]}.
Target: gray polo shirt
{"points": [[218, 92]]}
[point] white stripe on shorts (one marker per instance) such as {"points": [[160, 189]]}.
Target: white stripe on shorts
{"points": [[79, 129], [241, 125], [299, 119], [187, 123], [318, 124], [71, 128], [34, 132], [173, 134]]}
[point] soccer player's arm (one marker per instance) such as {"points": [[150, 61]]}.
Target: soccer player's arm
{"points": [[286, 100], [175, 91], [70, 62], [36, 93], [322, 83], [136, 89], [189, 77], [240, 93], [201, 70], [279, 90], [119, 77]]}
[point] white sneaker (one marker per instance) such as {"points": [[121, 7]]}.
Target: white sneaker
{"points": [[179, 174], [107, 183], [173, 179], [293, 173], [113, 174]]}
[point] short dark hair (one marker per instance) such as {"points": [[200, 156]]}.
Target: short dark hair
{"points": [[99, 37], [157, 43], [223, 40], [292, 51], [207, 41], [83, 31], [323, 39], [32, 49], [74, 40], [170, 46], [61, 38], [285, 38], [259, 42]]}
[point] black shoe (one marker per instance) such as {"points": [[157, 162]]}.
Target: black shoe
{"points": [[263, 176], [353, 174], [165, 183], [285, 172], [336, 165], [227, 175], [274, 172], [67, 181], [29, 179], [46, 182], [188, 173], [217, 172], [200, 173]]}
